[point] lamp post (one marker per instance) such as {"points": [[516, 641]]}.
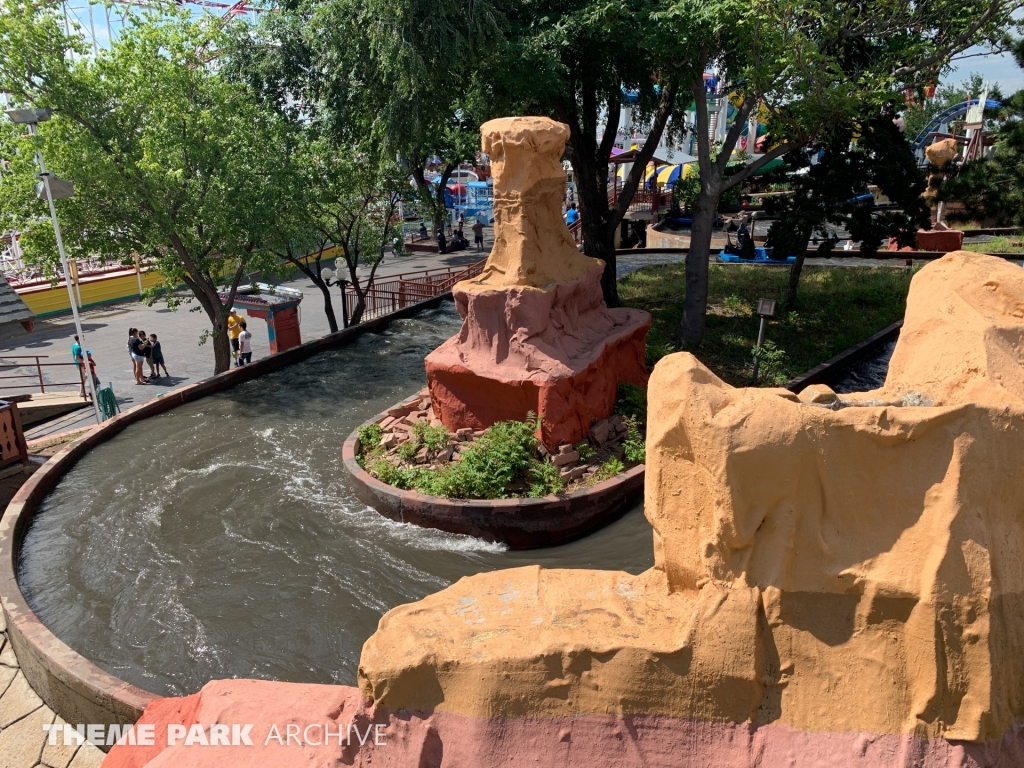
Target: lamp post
{"points": [[327, 274], [51, 188], [765, 308]]}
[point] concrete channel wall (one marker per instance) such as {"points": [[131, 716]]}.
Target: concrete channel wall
{"points": [[75, 688]]}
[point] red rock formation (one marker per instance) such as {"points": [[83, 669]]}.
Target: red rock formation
{"points": [[537, 335]]}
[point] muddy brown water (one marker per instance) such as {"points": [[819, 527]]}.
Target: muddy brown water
{"points": [[221, 539]]}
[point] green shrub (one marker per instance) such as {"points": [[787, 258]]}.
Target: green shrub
{"points": [[634, 445], [584, 449], [432, 438], [632, 402], [609, 469], [771, 372], [369, 437], [407, 450], [544, 480]]}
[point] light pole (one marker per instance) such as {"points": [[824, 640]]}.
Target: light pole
{"points": [[765, 308], [52, 188]]}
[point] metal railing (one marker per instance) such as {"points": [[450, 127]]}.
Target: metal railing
{"points": [[390, 294], [37, 377]]}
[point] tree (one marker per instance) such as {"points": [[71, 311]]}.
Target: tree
{"points": [[578, 62], [168, 158], [827, 176], [992, 187], [394, 78], [809, 67], [354, 205]]}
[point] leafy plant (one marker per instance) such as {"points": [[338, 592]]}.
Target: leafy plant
{"points": [[407, 450], [545, 480], [632, 402], [771, 370], [584, 449], [634, 445], [432, 438], [369, 436], [734, 305], [609, 469]]}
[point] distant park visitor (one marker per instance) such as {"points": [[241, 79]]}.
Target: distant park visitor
{"points": [[76, 355], [158, 356], [244, 345], [572, 215], [138, 353], [478, 234], [235, 326]]}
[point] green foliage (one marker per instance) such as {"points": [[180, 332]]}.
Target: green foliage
{"points": [[584, 449], [772, 369], [836, 308], [823, 194], [432, 438], [169, 160], [735, 305], [632, 402], [634, 445], [369, 436], [609, 469], [505, 454]]}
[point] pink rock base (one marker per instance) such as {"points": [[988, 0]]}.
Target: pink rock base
{"points": [[560, 354], [448, 740]]}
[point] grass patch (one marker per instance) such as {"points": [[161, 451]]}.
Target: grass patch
{"points": [[835, 309], [1000, 244]]}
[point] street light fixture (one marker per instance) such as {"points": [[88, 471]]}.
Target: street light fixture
{"points": [[766, 309], [327, 275], [51, 188]]}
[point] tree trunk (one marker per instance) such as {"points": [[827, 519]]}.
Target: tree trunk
{"points": [[221, 351], [691, 330], [332, 321], [598, 239], [796, 269]]}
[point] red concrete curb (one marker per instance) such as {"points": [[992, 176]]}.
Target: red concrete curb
{"points": [[70, 684], [519, 523]]}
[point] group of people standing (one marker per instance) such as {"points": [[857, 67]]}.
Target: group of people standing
{"points": [[241, 339], [143, 350]]}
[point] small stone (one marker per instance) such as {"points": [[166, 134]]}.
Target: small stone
{"points": [[564, 448], [399, 411], [388, 422], [572, 473], [463, 434], [446, 455], [436, 423], [542, 451], [599, 433], [819, 394], [424, 404], [562, 459], [477, 433], [421, 456], [389, 441]]}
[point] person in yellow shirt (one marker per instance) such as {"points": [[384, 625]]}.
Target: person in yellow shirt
{"points": [[235, 326]]}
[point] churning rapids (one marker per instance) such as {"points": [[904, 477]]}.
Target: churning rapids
{"points": [[221, 540]]}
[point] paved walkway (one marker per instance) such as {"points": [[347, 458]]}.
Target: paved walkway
{"points": [[23, 742], [106, 332]]}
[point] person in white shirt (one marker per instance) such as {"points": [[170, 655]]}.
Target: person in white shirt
{"points": [[244, 346]]}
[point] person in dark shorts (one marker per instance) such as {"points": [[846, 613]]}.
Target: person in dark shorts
{"points": [[138, 353], [478, 234], [147, 351], [158, 356], [244, 346]]}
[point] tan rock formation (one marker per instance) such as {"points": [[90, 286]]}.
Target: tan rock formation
{"points": [[532, 245], [537, 335], [838, 582], [837, 570]]}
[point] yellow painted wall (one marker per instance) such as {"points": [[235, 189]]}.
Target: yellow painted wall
{"points": [[48, 300]]}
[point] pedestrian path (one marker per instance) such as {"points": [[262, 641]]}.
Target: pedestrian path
{"points": [[23, 742]]}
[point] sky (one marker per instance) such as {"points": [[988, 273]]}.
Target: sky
{"points": [[998, 68]]}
